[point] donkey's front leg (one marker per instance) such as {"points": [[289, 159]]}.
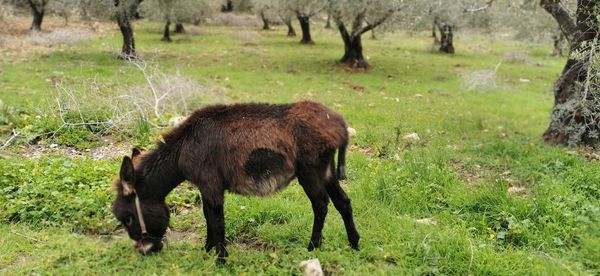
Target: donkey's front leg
{"points": [[319, 199], [210, 238], [215, 223]]}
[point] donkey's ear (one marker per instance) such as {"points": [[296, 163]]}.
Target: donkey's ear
{"points": [[135, 152], [127, 176]]}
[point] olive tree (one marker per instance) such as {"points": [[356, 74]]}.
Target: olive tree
{"points": [[124, 11], [304, 10], [575, 116], [96, 9], [356, 17], [38, 9], [63, 8], [269, 10], [265, 9], [178, 12]]}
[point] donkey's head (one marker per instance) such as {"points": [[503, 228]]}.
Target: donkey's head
{"points": [[145, 219]]}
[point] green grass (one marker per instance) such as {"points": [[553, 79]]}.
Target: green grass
{"points": [[474, 146]]}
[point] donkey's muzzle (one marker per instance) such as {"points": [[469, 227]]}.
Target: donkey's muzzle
{"points": [[148, 245]]}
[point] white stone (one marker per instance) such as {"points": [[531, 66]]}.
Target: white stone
{"points": [[312, 267], [427, 221], [412, 136], [177, 120], [351, 132]]}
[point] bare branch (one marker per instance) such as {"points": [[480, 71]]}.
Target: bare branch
{"points": [[7, 143], [562, 17], [27, 237], [487, 5]]}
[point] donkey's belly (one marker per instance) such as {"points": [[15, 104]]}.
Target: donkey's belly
{"points": [[265, 171], [263, 186]]}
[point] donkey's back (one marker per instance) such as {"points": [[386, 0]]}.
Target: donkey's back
{"points": [[256, 148]]}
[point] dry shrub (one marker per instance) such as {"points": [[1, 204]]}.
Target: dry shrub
{"points": [[3, 12], [164, 96], [480, 80], [229, 19], [161, 98], [246, 35], [195, 30], [252, 51], [61, 36], [517, 57]]}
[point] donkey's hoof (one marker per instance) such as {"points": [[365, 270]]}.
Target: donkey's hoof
{"points": [[313, 245], [221, 261]]}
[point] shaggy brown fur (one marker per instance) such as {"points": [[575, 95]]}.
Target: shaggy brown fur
{"points": [[250, 149]]}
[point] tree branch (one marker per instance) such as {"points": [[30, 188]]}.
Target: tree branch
{"points": [[487, 5], [561, 15], [375, 23]]}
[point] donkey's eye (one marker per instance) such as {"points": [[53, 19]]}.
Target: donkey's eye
{"points": [[129, 221]]}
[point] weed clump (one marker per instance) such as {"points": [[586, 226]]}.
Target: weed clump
{"points": [[62, 36], [229, 19], [517, 57], [246, 35], [80, 115], [481, 79]]}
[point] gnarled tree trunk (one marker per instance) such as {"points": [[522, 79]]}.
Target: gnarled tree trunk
{"points": [[125, 9], [38, 8], [328, 22], [167, 33], [447, 37], [265, 21], [436, 40], [576, 106], [558, 45], [179, 28], [291, 31], [353, 51], [305, 26], [228, 7]]}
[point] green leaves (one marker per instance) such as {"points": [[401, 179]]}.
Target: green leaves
{"points": [[54, 191]]}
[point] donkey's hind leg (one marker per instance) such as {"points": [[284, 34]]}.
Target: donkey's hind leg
{"points": [[342, 204], [213, 198], [311, 181]]}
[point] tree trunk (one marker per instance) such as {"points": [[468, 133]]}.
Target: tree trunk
{"points": [[123, 13], [167, 33], [558, 49], [291, 31], [447, 45], [436, 24], [38, 14], [305, 26], [265, 21], [228, 7], [353, 51], [576, 106], [179, 28], [328, 24]]}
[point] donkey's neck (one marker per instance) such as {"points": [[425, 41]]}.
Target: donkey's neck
{"points": [[160, 172]]}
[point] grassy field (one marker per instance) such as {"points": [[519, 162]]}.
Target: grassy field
{"points": [[495, 199]]}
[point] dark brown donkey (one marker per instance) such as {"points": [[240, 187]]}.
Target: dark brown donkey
{"points": [[250, 149]]}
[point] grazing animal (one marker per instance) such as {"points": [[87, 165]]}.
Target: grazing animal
{"points": [[249, 149]]}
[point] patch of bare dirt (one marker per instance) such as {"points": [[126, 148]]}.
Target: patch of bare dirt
{"points": [[250, 242], [470, 175], [17, 45], [106, 152], [516, 187]]}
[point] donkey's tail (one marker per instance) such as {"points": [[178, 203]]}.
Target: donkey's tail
{"points": [[341, 170]]}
